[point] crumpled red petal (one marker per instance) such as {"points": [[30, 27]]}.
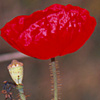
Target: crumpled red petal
{"points": [[55, 31]]}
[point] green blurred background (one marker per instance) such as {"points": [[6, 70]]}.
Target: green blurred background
{"points": [[80, 71]]}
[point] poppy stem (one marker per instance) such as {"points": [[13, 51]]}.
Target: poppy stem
{"points": [[54, 74], [21, 92]]}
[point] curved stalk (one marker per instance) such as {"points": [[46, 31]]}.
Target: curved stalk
{"points": [[21, 92]]}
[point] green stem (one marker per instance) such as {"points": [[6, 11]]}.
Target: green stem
{"points": [[53, 65], [21, 92]]}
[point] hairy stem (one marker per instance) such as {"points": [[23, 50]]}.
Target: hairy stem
{"points": [[53, 65], [21, 92]]}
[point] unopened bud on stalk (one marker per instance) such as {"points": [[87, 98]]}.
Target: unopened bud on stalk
{"points": [[16, 71]]}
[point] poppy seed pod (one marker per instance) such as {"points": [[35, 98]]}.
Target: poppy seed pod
{"points": [[16, 71], [55, 31]]}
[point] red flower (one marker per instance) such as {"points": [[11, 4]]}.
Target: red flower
{"points": [[55, 31]]}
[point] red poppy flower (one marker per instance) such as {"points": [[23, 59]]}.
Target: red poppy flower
{"points": [[55, 31]]}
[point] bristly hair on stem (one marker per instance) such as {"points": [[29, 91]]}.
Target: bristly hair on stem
{"points": [[55, 79]]}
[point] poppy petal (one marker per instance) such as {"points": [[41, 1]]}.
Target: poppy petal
{"points": [[55, 31]]}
